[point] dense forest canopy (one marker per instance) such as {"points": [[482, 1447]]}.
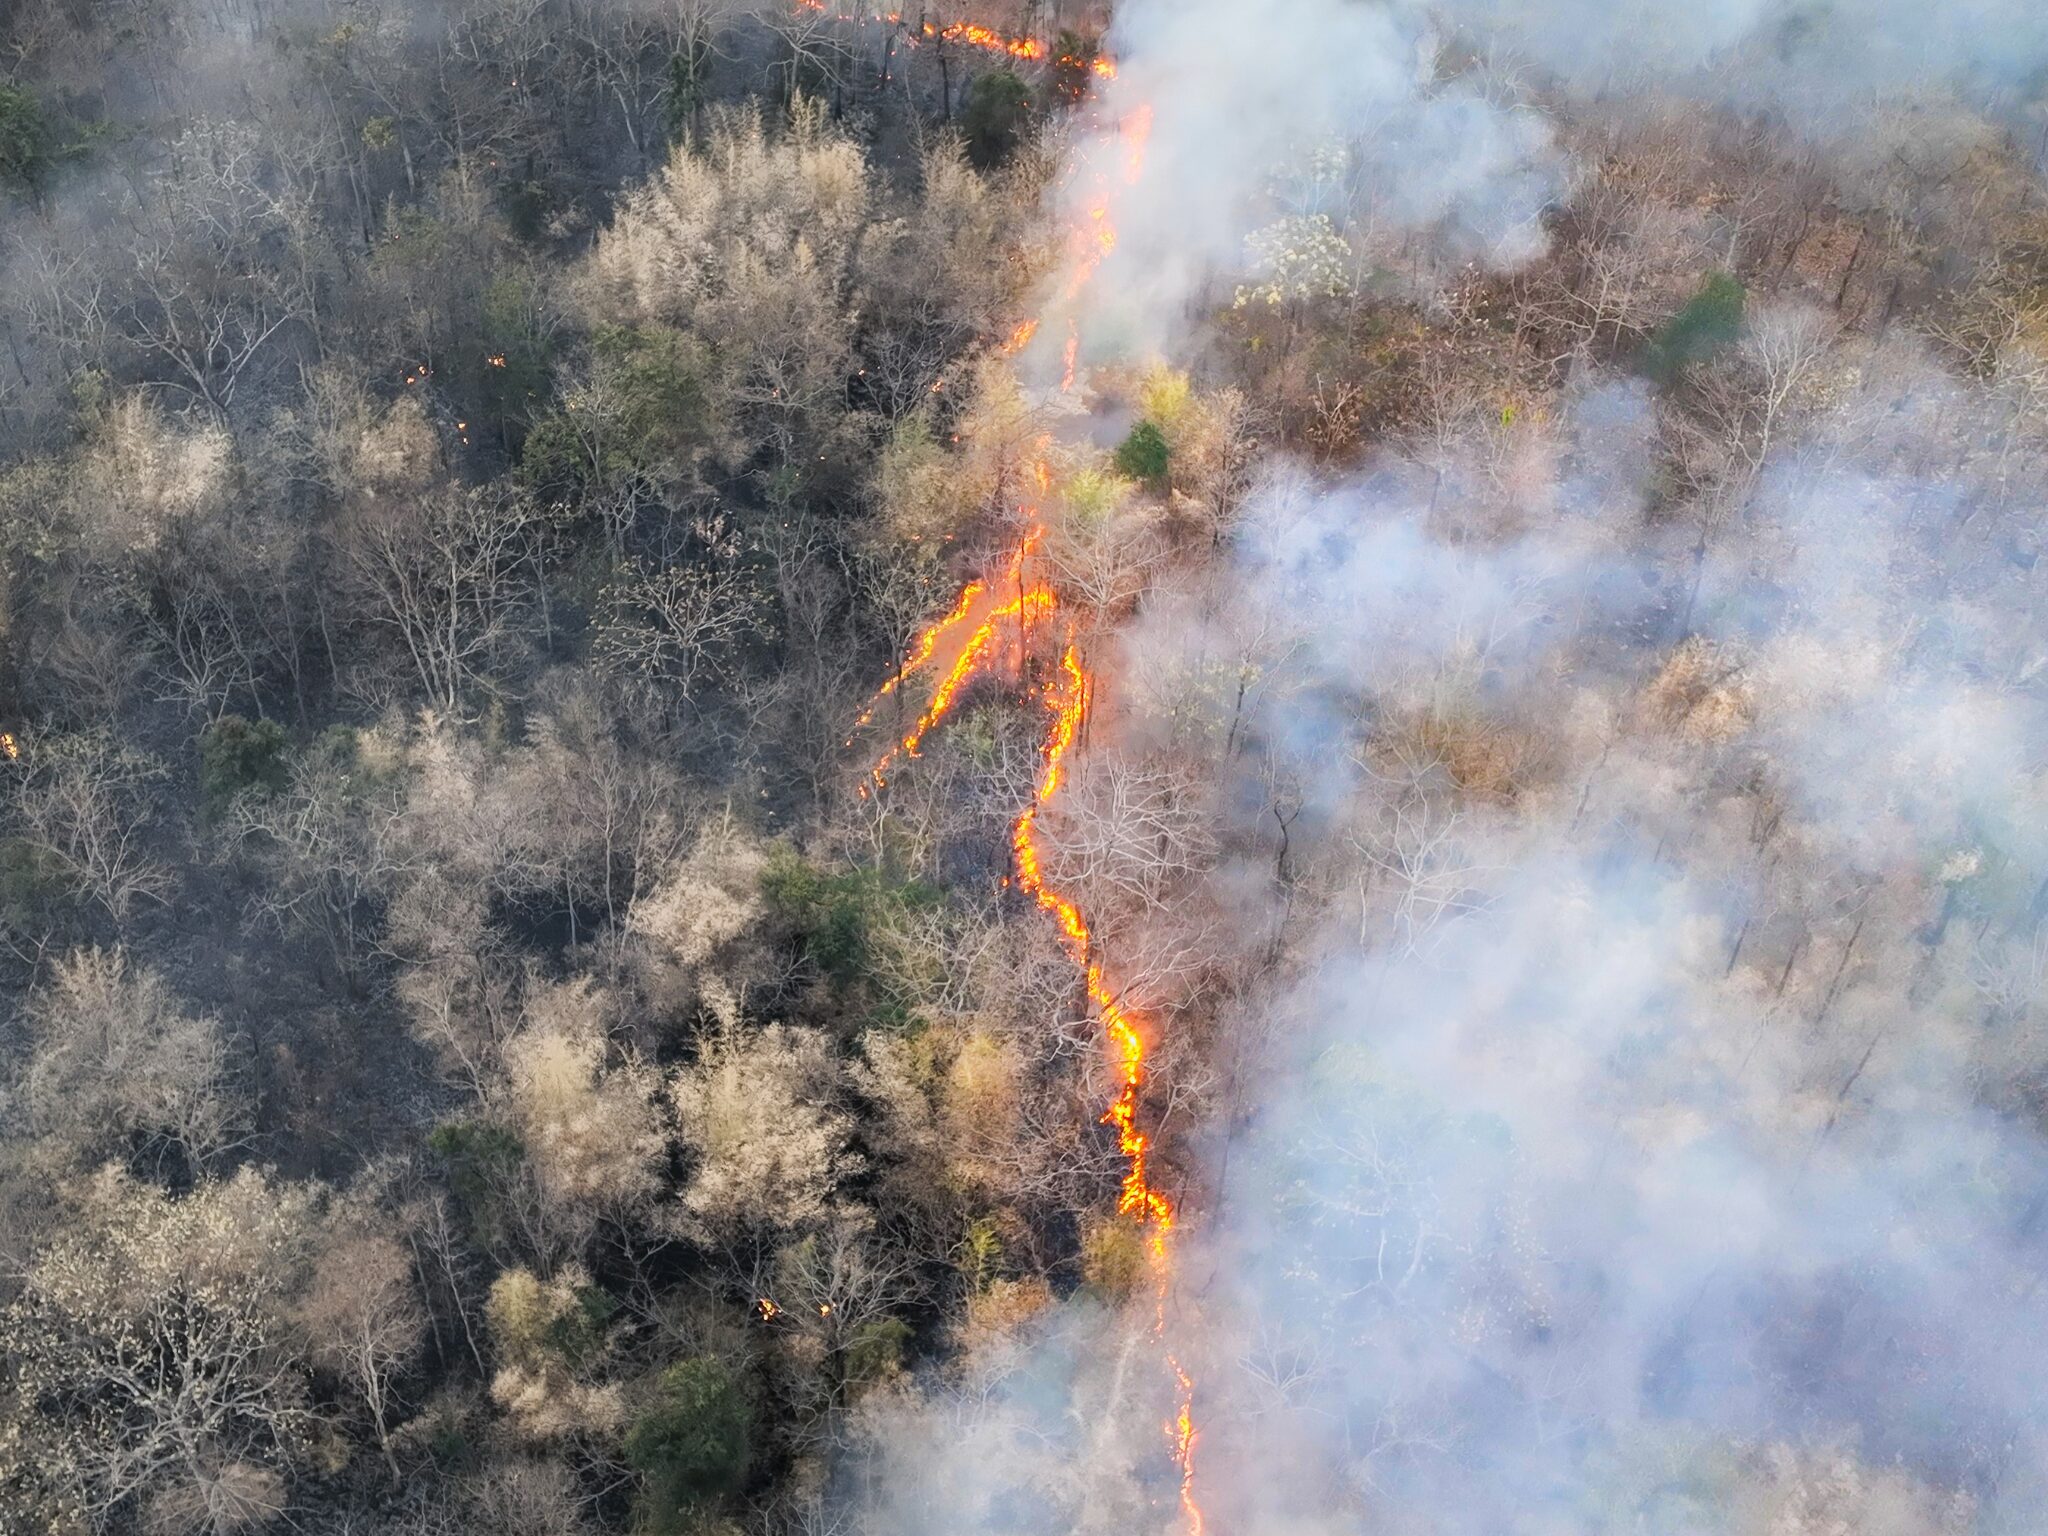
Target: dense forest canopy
{"points": [[774, 767]]}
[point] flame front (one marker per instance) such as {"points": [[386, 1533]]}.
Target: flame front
{"points": [[967, 633], [968, 636], [970, 33], [1034, 603]]}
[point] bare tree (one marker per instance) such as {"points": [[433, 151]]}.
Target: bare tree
{"points": [[209, 279], [676, 625], [327, 857], [1125, 831], [116, 1057], [150, 1356], [86, 805], [452, 578], [364, 1321]]}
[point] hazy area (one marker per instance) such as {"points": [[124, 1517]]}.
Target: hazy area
{"points": [[773, 769]]}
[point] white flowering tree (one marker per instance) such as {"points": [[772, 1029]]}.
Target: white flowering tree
{"points": [[150, 1362]]}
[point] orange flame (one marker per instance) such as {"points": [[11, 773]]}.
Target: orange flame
{"points": [[971, 628], [922, 648], [971, 33], [9, 748], [1138, 1198], [1124, 1031], [1033, 603], [977, 36], [928, 640]]}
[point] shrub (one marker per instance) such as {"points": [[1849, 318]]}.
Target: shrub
{"points": [[1709, 322], [874, 1352], [1143, 455], [691, 1447], [237, 755], [1113, 1256]]}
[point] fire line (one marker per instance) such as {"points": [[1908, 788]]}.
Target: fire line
{"points": [[967, 640]]}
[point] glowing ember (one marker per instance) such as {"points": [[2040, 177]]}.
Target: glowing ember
{"points": [[766, 1310], [8, 747]]}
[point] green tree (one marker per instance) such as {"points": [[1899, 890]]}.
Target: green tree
{"points": [[1144, 456], [692, 1445], [647, 408], [237, 754], [518, 335], [998, 112], [27, 146], [686, 68], [839, 919], [1710, 321], [482, 1160]]}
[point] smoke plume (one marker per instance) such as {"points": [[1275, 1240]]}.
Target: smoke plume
{"points": [[1639, 1126]]}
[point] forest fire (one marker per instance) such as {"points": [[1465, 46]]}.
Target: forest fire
{"points": [[968, 633], [972, 34], [1033, 603], [1067, 699], [977, 36]]}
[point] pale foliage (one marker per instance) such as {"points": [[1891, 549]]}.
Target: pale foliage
{"points": [[116, 1057], [711, 899], [142, 477], [770, 1143], [951, 1120], [150, 1358], [1295, 259], [1701, 694], [1829, 1491], [750, 243], [590, 1129], [545, 1395], [398, 452], [917, 486], [678, 239]]}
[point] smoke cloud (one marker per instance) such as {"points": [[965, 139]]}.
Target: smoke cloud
{"points": [[1638, 1126], [1227, 122]]}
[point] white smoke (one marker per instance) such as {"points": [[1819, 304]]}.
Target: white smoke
{"points": [[1646, 1131], [1225, 118]]}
